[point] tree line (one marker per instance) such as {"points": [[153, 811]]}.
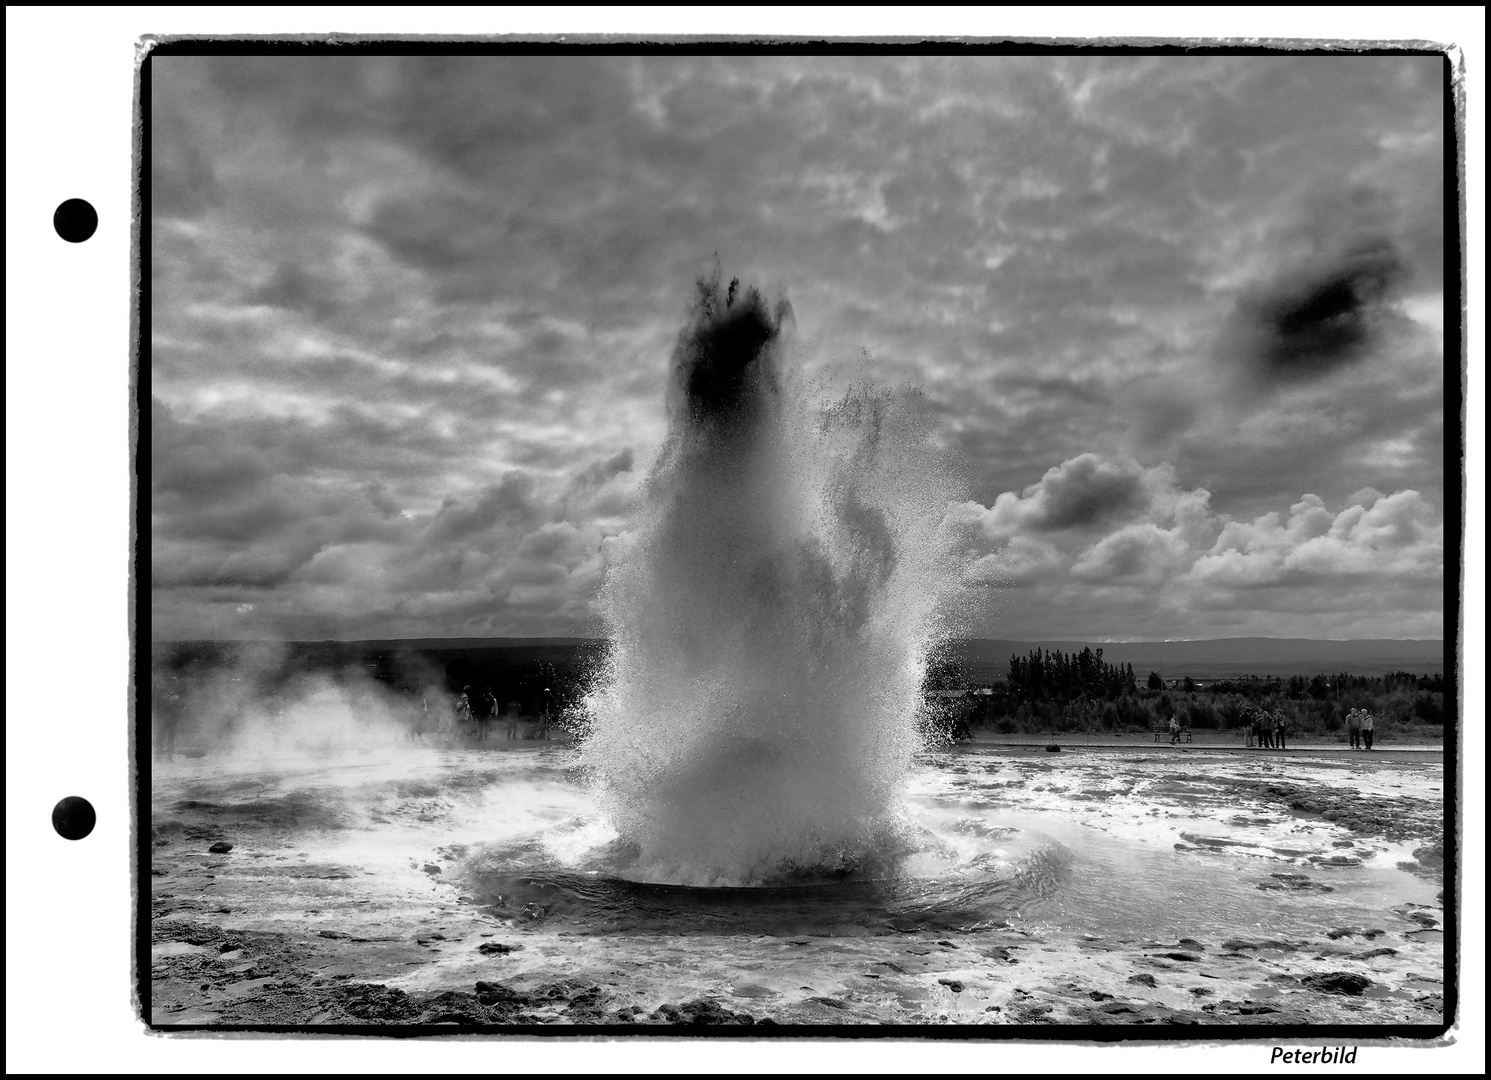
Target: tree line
{"points": [[1052, 691]]}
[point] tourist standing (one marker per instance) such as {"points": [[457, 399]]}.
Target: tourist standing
{"points": [[1354, 728], [1367, 729], [1281, 731], [463, 708], [488, 713], [512, 719], [1174, 729]]}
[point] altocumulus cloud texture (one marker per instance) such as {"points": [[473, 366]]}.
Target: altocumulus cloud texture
{"points": [[1178, 320]]}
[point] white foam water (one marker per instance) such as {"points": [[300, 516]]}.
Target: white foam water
{"points": [[770, 617]]}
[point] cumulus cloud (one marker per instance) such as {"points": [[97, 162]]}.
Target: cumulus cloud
{"points": [[1181, 562], [1390, 537], [1081, 493]]}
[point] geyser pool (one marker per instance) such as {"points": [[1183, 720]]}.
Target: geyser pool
{"points": [[770, 616]]}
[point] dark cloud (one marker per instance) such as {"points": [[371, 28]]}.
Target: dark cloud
{"points": [[295, 288], [248, 568], [1328, 314], [509, 503], [189, 462]]}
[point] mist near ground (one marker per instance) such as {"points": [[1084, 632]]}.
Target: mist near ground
{"points": [[257, 707]]}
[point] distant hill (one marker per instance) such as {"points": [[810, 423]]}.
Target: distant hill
{"points": [[983, 659], [987, 658]]}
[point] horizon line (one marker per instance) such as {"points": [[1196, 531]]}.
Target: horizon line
{"points": [[581, 637]]}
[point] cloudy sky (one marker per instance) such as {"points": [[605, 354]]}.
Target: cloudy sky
{"points": [[1179, 320]]}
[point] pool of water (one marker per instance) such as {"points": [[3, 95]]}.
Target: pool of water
{"points": [[1097, 843]]}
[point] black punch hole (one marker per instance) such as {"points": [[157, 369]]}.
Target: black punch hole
{"points": [[73, 818], [75, 220]]}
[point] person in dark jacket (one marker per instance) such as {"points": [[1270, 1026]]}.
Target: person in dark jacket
{"points": [[487, 711]]}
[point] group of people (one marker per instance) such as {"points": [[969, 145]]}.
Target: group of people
{"points": [[482, 709], [1359, 724], [1267, 729]]}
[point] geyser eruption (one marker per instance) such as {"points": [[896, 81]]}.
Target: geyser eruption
{"points": [[770, 617]]}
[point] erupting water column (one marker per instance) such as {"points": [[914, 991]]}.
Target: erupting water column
{"points": [[770, 618]]}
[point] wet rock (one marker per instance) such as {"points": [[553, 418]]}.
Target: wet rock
{"points": [[432, 869], [495, 994], [1371, 954], [1098, 995], [496, 948], [1190, 957], [1293, 883], [952, 984], [1025, 1013], [1352, 931], [565, 990], [1053, 748], [1143, 980], [1215, 841], [1432, 855], [332, 934], [1202, 991], [376, 1002], [1238, 946], [1337, 982], [585, 1006], [997, 952], [453, 1007], [221, 848], [700, 1011]]}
